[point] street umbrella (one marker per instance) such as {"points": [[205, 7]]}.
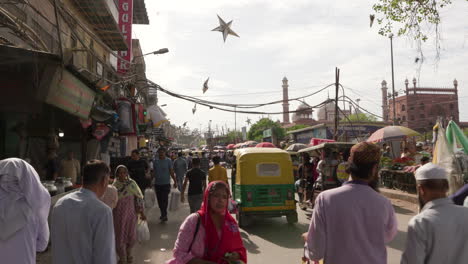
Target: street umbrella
{"points": [[265, 145], [238, 145], [249, 144], [389, 133], [231, 146], [296, 147]]}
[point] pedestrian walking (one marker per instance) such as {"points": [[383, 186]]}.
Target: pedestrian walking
{"points": [[353, 214], [438, 234], [211, 235], [305, 182], [163, 172], [204, 163], [24, 206], [82, 226], [196, 179], [189, 160], [137, 169], [218, 172], [70, 167], [180, 168], [129, 206]]}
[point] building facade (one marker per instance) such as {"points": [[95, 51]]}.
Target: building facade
{"points": [[420, 107], [59, 74]]}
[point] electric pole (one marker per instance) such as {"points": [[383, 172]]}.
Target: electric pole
{"points": [[337, 85]]}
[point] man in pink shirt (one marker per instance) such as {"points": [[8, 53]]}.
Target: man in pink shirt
{"points": [[353, 223]]}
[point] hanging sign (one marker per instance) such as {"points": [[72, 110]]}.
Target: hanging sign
{"points": [[125, 25]]}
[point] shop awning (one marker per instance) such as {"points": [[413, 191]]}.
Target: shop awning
{"points": [[69, 93]]}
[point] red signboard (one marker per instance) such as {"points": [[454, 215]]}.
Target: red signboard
{"points": [[318, 141], [125, 25]]}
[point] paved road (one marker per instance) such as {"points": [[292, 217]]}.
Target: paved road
{"points": [[267, 240]]}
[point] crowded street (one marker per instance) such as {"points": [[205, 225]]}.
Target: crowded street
{"points": [[268, 240], [233, 132]]}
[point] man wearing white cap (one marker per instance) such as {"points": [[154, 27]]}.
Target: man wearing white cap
{"points": [[439, 233]]}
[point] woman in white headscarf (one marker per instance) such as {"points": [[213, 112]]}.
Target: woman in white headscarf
{"points": [[24, 208]]}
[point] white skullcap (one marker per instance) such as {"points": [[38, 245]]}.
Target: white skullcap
{"points": [[430, 171]]}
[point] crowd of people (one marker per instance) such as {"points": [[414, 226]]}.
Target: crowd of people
{"points": [[354, 223], [97, 223]]}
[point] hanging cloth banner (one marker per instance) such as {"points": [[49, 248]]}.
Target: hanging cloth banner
{"points": [[455, 134], [157, 115], [445, 158]]}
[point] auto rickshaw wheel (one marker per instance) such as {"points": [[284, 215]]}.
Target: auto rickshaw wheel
{"points": [[292, 218]]}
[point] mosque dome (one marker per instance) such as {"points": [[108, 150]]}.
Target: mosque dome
{"points": [[303, 112], [325, 111]]}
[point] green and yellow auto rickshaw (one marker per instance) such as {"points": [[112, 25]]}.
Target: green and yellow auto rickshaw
{"points": [[264, 184]]}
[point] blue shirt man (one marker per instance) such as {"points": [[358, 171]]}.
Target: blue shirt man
{"points": [[180, 168], [163, 171]]}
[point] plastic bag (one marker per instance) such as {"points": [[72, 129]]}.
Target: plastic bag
{"points": [[143, 233], [174, 200], [150, 198]]}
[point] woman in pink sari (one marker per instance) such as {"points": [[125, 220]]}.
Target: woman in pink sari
{"points": [[210, 236], [129, 205]]}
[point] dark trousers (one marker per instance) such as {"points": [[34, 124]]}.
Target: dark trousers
{"points": [[162, 194]]}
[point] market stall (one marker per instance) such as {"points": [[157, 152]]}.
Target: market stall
{"points": [[396, 173]]}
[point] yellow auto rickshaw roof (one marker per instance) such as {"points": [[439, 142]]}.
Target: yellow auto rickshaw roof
{"points": [[244, 151]]}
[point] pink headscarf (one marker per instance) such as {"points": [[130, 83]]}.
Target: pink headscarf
{"points": [[230, 240]]}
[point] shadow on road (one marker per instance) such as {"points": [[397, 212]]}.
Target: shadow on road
{"points": [[251, 247], [277, 231], [399, 241], [402, 210]]}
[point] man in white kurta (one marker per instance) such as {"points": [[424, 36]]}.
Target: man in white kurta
{"points": [[439, 234]]}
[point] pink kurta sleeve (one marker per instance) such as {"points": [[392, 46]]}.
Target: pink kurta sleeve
{"points": [[317, 238], [185, 238]]}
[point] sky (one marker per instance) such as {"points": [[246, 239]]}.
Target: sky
{"points": [[302, 40]]}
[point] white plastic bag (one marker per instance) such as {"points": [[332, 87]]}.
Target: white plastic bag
{"points": [[174, 200], [150, 198], [143, 233]]}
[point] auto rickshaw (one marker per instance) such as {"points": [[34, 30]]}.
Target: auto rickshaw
{"points": [[296, 160], [264, 184], [327, 151]]}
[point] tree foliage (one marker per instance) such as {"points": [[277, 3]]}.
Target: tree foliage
{"points": [[256, 130], [416, 19], [410, 16], [296, 127], [360, 117], [233, 135]]}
